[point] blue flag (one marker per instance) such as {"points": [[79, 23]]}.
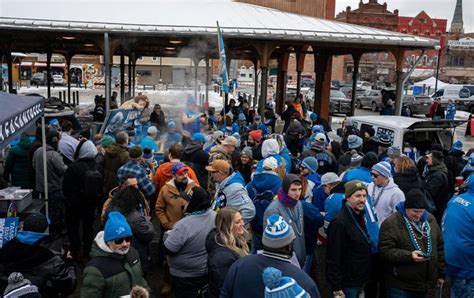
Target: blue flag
{"points": [[222, 61]]}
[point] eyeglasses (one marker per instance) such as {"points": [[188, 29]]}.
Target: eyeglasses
{"points": [[120, 240], [374, 175]]}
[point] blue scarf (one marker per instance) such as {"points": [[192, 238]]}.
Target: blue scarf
{"points": [[28, 237]]}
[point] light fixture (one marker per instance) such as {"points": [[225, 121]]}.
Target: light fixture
{"points": [[89, 44], [170, 48], [68, 37], [175, 41]]}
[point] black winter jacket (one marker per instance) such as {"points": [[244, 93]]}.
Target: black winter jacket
{"points": [[73, 182], [348, 259], [53, 276], [219, 260], [197, 159], [436, 184], [408, 180]]}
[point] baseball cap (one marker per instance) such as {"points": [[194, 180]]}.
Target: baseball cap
{"points": [[178, 168], [219, 165], [152, 130], [230, 140]]}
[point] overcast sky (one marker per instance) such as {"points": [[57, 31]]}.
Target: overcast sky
{"points": [[441, 9]]}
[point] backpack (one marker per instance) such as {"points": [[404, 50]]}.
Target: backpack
{"points": [[93, 183]]}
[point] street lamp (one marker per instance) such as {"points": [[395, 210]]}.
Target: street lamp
{"points": [[438, 62]]}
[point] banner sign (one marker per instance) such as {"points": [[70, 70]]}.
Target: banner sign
{"points": [[8, 229], [120, 120], [462, 43]]}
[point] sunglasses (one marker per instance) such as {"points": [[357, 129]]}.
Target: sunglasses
{"points": [[120, 240], [374, 175]]}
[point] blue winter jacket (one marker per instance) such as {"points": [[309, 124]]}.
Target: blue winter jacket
{"points": [[359, 173], [458, 233], [313, 220], [262, 189], [285, 154], [333, 205], [319, 197]]}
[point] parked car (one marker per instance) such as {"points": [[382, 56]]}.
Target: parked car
{"points": [[339, 103], [364, 85], [307, 82], [417, 105], [58, 80], [347, 90], [371, 98]]}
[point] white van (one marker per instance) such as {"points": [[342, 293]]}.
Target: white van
{"points": [[462, 95], [419, 133]]}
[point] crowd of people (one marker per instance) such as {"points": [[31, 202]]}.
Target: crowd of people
{"points": [[243, 211]]}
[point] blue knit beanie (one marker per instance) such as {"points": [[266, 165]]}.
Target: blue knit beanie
{"points": [[281, 286], [384, 168], [457, 146], [310, 163], [242, 117], [116, 227]]}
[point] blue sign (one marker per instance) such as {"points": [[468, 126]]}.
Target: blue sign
{"points": [[417, 90], [8, 229], [120, 120]]}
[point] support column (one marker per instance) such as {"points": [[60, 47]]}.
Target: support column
{"points": [[107, 81], [300, 58], [298, 82], [399, 57], [68, 67], [280, 96], [10, 71], [196, 65], [48, 72], [134, 65], [255, 82], [355, 73], [208, 81], [19, 73], [122, 77], [265, 51], [323, 84], [129, 76]]}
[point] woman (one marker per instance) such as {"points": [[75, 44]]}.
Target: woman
{"points": [[335, 148], [406, 176], [246, 164], [128, 201], [224, 245], [157, 117]]}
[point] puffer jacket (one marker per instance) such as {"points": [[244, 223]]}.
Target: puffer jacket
{"points": [[28, 254], [219, 260], [115, 156], [109, 274], [436, 184], [18, 165], [170, 205], [395, 248]]}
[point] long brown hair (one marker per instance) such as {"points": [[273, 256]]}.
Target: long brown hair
{"points": [[224, 223], [403, 163]]}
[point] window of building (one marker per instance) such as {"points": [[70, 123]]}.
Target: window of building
{"points": [[242, 75], [144, 73], [250, 75], [153, 58]]}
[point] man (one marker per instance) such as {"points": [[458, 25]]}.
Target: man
{"points": [[310, 179], [349, 246], [384, 192], [437, 110], [240, 127], [411, 247], [354, 142], [458, 232], [133, 167], [230, 190], [55, 171], [288, 206], [244, 278], [170, 137], [115, 266], [258, 125], [196, 157], [150, 140], [255, 142], [190, 119], [327, 160], [320, 193], [163, 173], [435, 182], [226, 151], [27, 253], [363, 172], [67, 144], [215, 139], [385, 141], [115, 156]]}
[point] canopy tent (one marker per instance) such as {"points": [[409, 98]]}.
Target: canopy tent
{"points": [[431, 82], [16, 115]]}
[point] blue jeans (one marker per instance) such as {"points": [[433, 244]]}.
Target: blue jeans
{"points": [[352, 292], [401, 293], [462, 288]]}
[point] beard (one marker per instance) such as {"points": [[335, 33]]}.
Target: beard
{"points": [[181, 185]]}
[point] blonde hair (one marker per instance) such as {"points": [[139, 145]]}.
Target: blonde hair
{"points": [[224, 223], [403, 163]]}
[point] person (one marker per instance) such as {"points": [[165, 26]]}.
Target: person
{"points": [[190, 119], [113, 100], [224, 245], [18, 286], [17, 167], [244, 278], [215, 139], [354, 142], [277, 285], [67, 144], [128, 201], [163, 174], [317, 120], [115, 156], [195, 157], [115, 266], [255, 142], [134, 167], [55, 170], [450, 110], [435, 182], [299, 106], [81, 192], [269, 117], [185, 245], [436, 110], [288, 205], [458, 233], [157, 118], [335, 148], [328, 182], [98, 114], [240, 127], [411, 248], [349, 246], [230, 190], [271, 148], [172, 136], [310, 179], [28, 254], [294, 136], [150, 140], [406, 175], [246, 164], [371, 143], [363, 171], [385, 141], [327, 161], [258, 125], [455, 162], [384, 193], [226, 151]]}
